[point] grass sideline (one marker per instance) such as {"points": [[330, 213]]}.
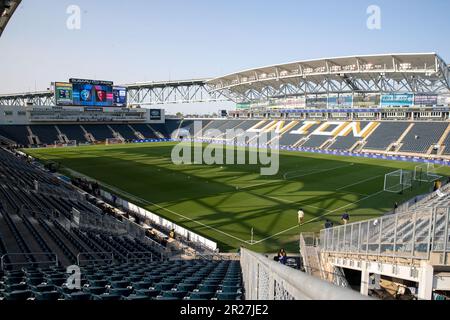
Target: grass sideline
{"points": [[224, 202]]}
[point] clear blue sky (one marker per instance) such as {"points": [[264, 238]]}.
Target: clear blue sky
{"points": [[146, 40]]}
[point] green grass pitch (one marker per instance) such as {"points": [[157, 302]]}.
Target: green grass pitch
{"points": [[224, 202]]}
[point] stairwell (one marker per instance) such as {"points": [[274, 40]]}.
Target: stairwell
{"points": [[49, 240], [300, 142], [32, 138], [358, 146], [398, 144], [88, 136], [310, 255], [61, 136], [4, 140], [157, 133], [116, 134], [136, 133], [328, 144], [442, 140]]}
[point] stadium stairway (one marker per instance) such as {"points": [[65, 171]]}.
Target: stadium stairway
{"points": [[73, 132], [47, 134], [124, 131], [100, 132], [386, 134], [146, 131]]}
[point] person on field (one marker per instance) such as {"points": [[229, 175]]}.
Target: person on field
{"points": [[301, 216], [345, 218], [328, 224]]}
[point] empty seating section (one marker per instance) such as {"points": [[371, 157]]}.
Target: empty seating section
{"points": [[386, 134], [169, 280], [17, 133], [46, 134], [344, 143], [124, 130], [113, 267], [216, 125], [315, 141], [419, 139], [145, 130], [100, 132], [166, 129], [447, 145], [422, 136], [73, 132], [290, 139], [26, 212], [190, 126]]}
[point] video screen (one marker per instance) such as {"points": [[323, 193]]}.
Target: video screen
{"points": [[119, 96], [63, 94], [86, 94]]}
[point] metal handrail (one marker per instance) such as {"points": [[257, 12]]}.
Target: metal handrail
{"points": [[139, 258], [267, 279], [407, 226], [94, 260], [3, 264]]}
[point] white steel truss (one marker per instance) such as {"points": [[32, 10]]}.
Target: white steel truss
{"points": [[144, 94], [172, 92], [415, 73], [6, 11], [44, 98]]}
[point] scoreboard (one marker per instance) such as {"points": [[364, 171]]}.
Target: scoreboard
{"points": [[90, 93]]}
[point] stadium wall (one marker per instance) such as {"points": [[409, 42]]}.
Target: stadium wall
{"points": [[192, 236]]}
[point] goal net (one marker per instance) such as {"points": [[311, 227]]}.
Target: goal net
{"points": [[70, 143], [397, 181], [426, 172], [113, 141]]}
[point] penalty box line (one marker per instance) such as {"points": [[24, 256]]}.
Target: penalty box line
{"points": [[359, 182], [316, 218], [297, 176]]}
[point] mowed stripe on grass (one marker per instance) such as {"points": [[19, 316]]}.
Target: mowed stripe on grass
{"points": [[205, 199]]}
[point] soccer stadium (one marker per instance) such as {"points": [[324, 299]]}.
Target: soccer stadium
{"points": [[328, 179]]}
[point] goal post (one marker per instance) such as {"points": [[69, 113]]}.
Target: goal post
{"points": [[397, 181], [426, 173], [110, 141], [70, 143]]}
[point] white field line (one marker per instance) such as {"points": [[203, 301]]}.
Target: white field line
{"points": [[359, 182], [317, 218], [128, 195], [297, 202], [258, 184], [298, 176], [315, 171]]}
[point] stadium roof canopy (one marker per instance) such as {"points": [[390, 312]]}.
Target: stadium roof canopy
{"points": [[7, 8], [420, 72]]}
